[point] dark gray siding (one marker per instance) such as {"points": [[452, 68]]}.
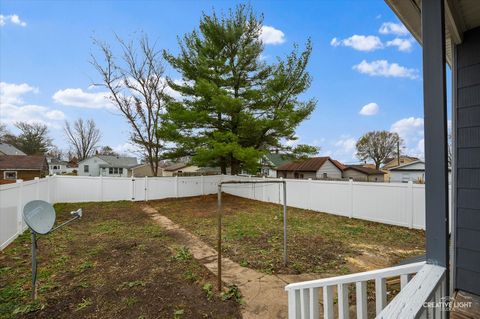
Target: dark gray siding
{"points": [[467, 247]]}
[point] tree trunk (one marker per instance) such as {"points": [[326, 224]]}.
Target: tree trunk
{"points": [[234, 166], [223, 166]]}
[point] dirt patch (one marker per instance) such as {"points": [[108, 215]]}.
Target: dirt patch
{"points": [[320, 243], [114, 263]]}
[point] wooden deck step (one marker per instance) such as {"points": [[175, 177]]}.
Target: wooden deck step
{"points": [[471, 312]]}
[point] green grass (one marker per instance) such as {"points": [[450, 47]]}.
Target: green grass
{"points": [[252, 235]]}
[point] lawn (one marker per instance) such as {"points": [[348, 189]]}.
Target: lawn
{"points": [[317, 242], [114, 263]]}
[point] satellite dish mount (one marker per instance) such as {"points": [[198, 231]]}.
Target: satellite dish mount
{"points": [[39, 216]]}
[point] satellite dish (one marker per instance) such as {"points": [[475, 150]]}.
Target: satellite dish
{"points": [[39, 216]]}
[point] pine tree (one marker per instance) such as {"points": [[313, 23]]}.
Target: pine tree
{"points": [[234, 105]]}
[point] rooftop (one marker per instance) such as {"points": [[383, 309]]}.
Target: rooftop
{"points": [[8, 149], [312, 164], [23, 162]]}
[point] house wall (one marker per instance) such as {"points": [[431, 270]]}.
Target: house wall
{"points": [[356, 175], [403, 176], [93, 167], [467, 164], [59, 170], [361, 177], [300, 174], [105, 171], [187, 169], [331, 170], [144, 170], [26, 175]]}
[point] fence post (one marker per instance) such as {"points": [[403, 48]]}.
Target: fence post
{"points": [[263, 189], [309, 194], [133, 188], [176, 186], [350, 181], [281, 201], [146, 188], [20, 206], [101, 188], [37, 187], [202, 185], [48, 189], [409, 204]]}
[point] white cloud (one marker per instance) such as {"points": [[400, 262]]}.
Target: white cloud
{"points": [[270, 35], [345, 147], [408, 126], [126, 149], [359, 42], [404, 45], [411, 131], [13, 18], [80, 98], [393, 28], [14, 109], [30, 113], [369, 109], [385, 69], [12, 93]]}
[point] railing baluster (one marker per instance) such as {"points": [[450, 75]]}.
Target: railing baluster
{"points": [[403, 280], [343, 301], [293, 310], [328, 302], [380, 294], [361, 291], [314, 313], [304, 303]]}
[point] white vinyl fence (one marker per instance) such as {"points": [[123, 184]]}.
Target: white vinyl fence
{"points": [[401, 204]]}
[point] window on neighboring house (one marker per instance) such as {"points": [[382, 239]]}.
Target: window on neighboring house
{"points": [[120, 170], [325, 175], [115, 170], [110, 170], [10, 175], [85, 168]]}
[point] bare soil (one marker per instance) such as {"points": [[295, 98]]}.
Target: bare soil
{"points": [[114, 263], [252, 235]]}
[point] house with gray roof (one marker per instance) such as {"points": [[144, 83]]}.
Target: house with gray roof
{"points": [[270, 162], [106, 165], [7, 149]]}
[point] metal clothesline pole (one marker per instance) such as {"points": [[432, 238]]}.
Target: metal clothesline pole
{"points": [[219, 223]]}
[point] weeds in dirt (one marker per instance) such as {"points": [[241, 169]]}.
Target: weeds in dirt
{"points": [[132, 284], [208, 288], [252, 234], [86, 302], [183, 254], [115, 263], [178, 313], [233, 293]]}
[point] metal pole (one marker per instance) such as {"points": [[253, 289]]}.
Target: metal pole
{"points": [[34, 265], [285, 252], [219, 238]]}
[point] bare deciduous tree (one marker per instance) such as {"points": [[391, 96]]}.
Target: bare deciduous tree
{"points": [[137, 88], [83, 137], [377, 146]]}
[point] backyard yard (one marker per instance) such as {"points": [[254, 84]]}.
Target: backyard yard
{"points": [[114, 263], [317, 242], [118, 262]]}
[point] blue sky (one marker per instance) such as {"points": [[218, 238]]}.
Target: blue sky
{"points": [[361, 56]]}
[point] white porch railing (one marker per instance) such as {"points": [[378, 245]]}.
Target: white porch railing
{"points": [[304, 302], [423, 297]]}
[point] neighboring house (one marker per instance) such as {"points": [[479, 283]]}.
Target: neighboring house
{"points": [[13, 167], [106, 165], [270, 162], [56, 166], [413, 171], [363, 174], [7, 149], [72, 166], [144, 169], [178, 168], [392, 162], [315, 168]]}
